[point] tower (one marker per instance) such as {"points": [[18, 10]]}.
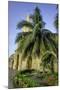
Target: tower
{"points": [[27, 29]]}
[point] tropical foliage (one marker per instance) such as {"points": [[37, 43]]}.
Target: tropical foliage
{"points": [[29, 79], [36, 42], [48, 60]]}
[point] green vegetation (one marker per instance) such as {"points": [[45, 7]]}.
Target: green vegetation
{"points": [[34, 79], [48, 60], [23, 79]]}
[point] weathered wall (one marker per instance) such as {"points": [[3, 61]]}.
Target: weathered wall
{"points": [[36, 64]]}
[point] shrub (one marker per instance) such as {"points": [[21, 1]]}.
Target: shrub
{"points": [[52, 79], [23, 81]]}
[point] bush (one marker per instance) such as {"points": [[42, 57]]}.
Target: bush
{"points": [[23, 81], [52, 79]]}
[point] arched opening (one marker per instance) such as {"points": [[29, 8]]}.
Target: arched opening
{"points": [[17, 61], [29, 64]]}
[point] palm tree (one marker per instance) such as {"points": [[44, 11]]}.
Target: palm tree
{"points": [[35, 43]]}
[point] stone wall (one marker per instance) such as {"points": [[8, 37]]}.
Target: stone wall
{"points": [[22, 64]]}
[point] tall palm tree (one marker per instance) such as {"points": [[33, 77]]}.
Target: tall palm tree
{"points": [[35, 43]]}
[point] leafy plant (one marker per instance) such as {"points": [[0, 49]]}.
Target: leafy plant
{"points": [[23, 81]]}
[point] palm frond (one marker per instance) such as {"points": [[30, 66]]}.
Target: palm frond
{"points": [[21, 43], [47, 56], [21, 35], [27, 47], [46, 32], [53, 44], [24, 23], [36, 48]]}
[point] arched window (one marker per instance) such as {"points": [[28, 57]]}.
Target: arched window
{"points": [[29, 64], [17, 61]]}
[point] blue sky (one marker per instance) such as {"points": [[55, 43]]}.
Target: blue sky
{"points": [[18, 11]]}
